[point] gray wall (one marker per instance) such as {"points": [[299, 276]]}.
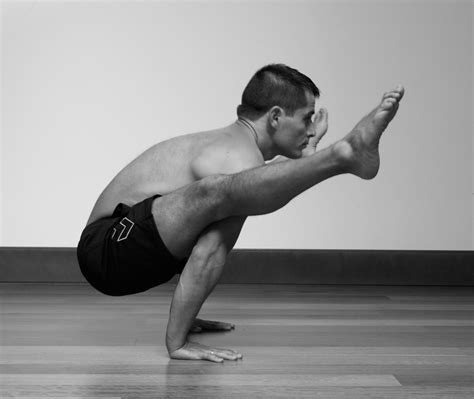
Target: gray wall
{"points": [[87, 86]]}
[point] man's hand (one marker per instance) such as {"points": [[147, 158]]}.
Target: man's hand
{"points": [[196, 351], [207, 325], [320, 127]]}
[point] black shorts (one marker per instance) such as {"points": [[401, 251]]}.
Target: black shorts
{"points": [[123, 254]]}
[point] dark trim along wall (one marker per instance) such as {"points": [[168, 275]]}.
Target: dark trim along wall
{"points": [[274, 266]]}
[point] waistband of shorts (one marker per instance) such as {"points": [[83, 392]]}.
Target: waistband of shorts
{"points": [[122, 209], [149, 202]]}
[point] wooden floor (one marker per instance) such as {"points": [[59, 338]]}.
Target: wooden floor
{"points": [[297, 341]]}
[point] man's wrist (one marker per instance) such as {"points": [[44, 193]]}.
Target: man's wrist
{"points": [[173, 345], [307, 152]]}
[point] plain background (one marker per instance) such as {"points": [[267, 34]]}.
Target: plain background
{"points": [[87, 86]]}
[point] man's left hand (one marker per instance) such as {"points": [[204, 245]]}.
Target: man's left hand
{"points": [[207, 325]]}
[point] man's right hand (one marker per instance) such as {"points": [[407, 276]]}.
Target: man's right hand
{"points": [[319, 128], [196, 351]]}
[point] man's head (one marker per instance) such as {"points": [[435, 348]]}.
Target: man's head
{"points": [[285, 98]]}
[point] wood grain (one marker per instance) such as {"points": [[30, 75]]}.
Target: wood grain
{"points": [[298, 341]]}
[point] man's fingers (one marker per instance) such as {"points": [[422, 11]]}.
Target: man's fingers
{"points": [[212, 358], [224, 326], [227, 355], [215, 325], [321, 124], [196, 351], [218, 355], [322, 114], [229, 352]]}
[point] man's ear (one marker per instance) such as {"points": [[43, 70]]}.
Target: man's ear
{"points": [[274, 116]]}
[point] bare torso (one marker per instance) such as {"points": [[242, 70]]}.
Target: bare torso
{"points": [[167, 166]]}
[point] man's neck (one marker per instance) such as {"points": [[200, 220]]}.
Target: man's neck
{"points": [[258, 132]]}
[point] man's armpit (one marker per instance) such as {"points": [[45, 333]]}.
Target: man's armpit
{"points": [[224, 163]]}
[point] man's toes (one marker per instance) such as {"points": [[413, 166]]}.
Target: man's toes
{"points": [[394, 94], [397, 93], [389, 103], [400, 90]]}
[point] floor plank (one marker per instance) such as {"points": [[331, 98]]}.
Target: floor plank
{"points": [[298, 341]]}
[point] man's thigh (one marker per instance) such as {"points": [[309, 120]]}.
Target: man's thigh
{"points": [[182, 215]]}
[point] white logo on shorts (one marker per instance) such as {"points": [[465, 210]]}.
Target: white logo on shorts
{"points": [[127, 225]]}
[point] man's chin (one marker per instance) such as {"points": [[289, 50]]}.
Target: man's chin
{"points": [[295, 154], [300, 154]]}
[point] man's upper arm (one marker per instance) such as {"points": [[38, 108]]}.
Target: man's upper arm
{"points": [[224, 232], [220, 162]]}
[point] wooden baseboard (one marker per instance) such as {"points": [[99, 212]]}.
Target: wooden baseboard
{"points": [[274, 266]]}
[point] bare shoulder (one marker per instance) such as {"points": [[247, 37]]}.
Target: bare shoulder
{"points": [[231, 153]]}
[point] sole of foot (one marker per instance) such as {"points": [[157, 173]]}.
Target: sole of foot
{"points": [[360, 148]]}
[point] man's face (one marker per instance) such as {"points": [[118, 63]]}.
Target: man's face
{"points": [[294, 131]]}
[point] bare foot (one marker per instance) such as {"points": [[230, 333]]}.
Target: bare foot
{"points": [[360, 148]]}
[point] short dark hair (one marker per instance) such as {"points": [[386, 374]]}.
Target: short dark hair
{"points": [[275, 84]]}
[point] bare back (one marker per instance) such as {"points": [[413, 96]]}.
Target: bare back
{"points": [[167, 166]]}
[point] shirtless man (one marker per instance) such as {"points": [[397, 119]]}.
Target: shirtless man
{"points": [[179, 207]]}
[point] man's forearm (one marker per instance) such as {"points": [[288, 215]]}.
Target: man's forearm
{"points": [[200, 276], [194, 286]]}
